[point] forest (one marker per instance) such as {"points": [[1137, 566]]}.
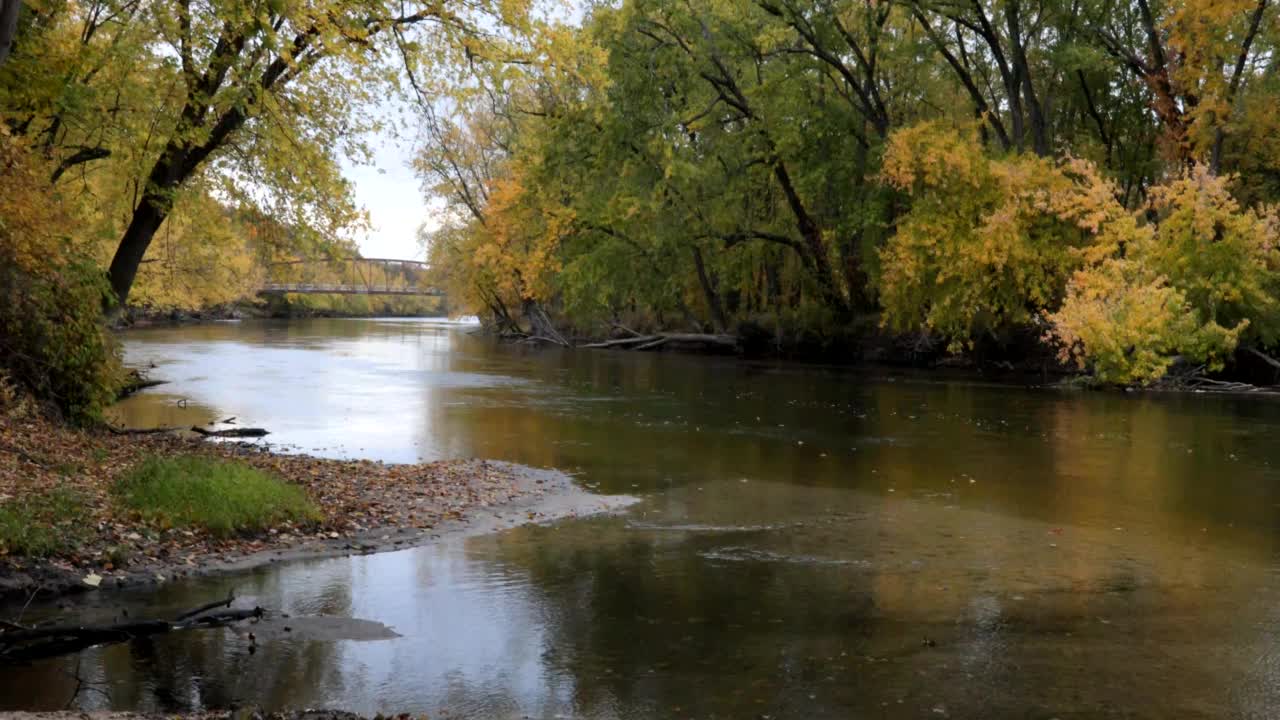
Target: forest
{"points": [[1087, 183], [1090, 180]]}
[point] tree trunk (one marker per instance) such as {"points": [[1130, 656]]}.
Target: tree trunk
{"points": [[147, 218], [709, 290], [815, 255], [8, 26], [1022, 78]]}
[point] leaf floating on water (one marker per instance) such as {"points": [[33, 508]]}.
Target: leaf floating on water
{"points": [[93, 579]]}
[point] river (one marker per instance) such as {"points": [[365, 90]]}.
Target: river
{"points": [[811, 543]]}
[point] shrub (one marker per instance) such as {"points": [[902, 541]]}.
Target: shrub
{"points": [[52, 337], [988, 243], [224, 497], [1193, 285], [1128, 326]]}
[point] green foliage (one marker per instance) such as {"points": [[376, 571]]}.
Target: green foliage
{"points": [[1223, 257], [791, 163], [54, 341], [42, 525], [224, 497]]}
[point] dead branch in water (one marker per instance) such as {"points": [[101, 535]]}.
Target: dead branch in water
{"points": [[1197, 382], [20, 644], [140, 431], [1263, 357], [136, 381], [650, 342], [622, 342], [232, 433]]}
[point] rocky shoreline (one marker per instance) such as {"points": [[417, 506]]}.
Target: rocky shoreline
{"points": [[368, 507]]}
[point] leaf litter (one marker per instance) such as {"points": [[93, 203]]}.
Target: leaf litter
{"points": [[359, 499]]}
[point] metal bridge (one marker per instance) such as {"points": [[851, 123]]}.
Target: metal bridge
{"points": [[349, 276]]}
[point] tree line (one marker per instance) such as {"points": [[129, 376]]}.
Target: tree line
{"points": [[1095, 175]]}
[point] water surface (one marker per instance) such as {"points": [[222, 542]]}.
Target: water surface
{"points": [[813, 542]]}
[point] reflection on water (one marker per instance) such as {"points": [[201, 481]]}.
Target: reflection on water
{"points": [[814, 543]]}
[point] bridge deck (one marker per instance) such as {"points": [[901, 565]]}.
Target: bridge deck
{"points": [[322, 289]]}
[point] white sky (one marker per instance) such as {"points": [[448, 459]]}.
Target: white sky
{"points": [[390, 191], [393, 196]]}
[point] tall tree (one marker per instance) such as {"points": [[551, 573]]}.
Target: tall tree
{"points": [[239, 64]]}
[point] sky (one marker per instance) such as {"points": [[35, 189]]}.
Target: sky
{"points": [[392, 195]]}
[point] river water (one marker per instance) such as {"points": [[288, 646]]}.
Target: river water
{"points": [[812, 542]]}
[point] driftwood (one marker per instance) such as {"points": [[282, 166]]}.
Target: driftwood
{"points": [[134, 382], [139, 431], [649, 342], [541, 326], [232, 433], [20, 644], [1263, 357]]}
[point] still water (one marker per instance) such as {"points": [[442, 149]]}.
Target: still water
{"points": [[812, 542]]}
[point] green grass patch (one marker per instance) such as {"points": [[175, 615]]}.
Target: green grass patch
{"points": [[42, 525], [221, 496]]}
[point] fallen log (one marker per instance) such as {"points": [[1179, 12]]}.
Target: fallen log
{"points": [[638, 340], [232, 433], [656, 340], [206, 608], [135, 381], [20, 644], [139, 431]]}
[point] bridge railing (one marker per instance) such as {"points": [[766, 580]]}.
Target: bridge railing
{"points": [[357, 276], [334, 289]]}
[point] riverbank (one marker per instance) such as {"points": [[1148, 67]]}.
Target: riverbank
{"points": [[366, 506], [142, 317], [1018, 358]]}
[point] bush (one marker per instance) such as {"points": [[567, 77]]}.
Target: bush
{"points": [[223, 497], [1192, 285], [988, 243], [52, 337], [1128, 326], [42, 525]]}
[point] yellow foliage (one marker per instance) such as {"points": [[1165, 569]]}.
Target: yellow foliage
{"points": [[52, 339], [988, 243], [511, 257], [1204, 35], [1129, 326], [202, 257], [1193, 285], [32, 221], [931, 155]]}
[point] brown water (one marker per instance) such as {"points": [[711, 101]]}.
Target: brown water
{"points": [[813, 543]]}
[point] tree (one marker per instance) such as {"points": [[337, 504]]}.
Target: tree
{"points": [[239, 64], [8, 26], [988, 244], [253, 99]]}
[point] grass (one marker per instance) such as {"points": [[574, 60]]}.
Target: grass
{"points": [[223, 497], [42, 525]]}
